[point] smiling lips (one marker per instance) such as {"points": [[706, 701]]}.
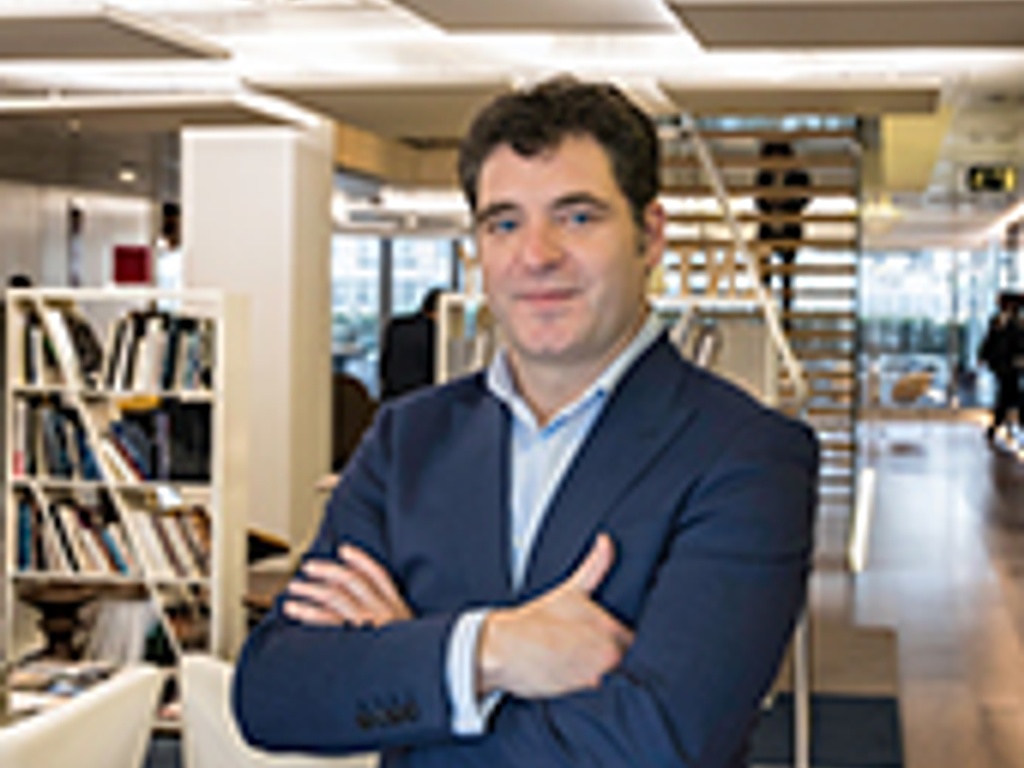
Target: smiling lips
{"points": [[546, 297]]}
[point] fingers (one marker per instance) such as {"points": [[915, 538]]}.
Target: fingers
{"points": [[311, 614], [595, 566], [355, 591], [376, 577], [330, 600]]}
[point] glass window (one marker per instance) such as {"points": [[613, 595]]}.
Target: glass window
{"points": [[923, 313], [355, 320], [420, 264]]}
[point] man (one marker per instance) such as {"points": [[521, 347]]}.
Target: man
{"points": [[407, 357], [1000, 349], [782, 225], [593, 553]]}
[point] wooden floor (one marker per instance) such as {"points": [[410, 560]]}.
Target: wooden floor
{"points": [[938, 614]]}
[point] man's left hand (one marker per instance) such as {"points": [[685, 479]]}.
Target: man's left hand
{"points": [[355, 589]]}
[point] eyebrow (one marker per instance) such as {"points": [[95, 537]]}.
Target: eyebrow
{"points": [[565, 201], [580, 198], [492, 211]]}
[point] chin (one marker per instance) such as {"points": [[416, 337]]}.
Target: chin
{"points": [[545, 352]]}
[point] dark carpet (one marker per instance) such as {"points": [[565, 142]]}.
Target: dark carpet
{"points": [[846, 732]]}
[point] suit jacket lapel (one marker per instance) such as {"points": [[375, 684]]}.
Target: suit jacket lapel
{"points": [[637, 423], [482, 488]]}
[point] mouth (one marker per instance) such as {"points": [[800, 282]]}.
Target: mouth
{"points": [[546, 301], [542, 297]]}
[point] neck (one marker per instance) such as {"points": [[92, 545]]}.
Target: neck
{"points": [[548, 386]]}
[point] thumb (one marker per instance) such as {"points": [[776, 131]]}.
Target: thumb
{"points": [[595, 566]]}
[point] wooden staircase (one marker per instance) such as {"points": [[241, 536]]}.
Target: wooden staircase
{"points": [[818, 309]]}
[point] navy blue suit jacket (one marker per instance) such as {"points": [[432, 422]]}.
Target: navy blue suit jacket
{"points": [[710, 500]]}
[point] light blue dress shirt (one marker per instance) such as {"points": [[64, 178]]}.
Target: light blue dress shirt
{"points": [[541, 455]]}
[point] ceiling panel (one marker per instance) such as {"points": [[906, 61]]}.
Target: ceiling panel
{"points": [[46, 153], [106, 34], [429, 111], [605, 16], [140, 114], [810, 100], [852, 23]]}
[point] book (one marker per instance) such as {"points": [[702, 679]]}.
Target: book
{"points": [[87, 468], [32, 437], [33, 363], [56, 450], [151, 551], [173, 439], [170, 552], [64, 346], [135, 445], [116, 464], [56, 556], [117, 346], [195, 543], [96, 543], [69, 530], [19, 436], [27, 554], [88, 350]]}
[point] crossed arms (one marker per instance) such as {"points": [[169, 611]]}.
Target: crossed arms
{"points": [[560, 642], [654, 649]]}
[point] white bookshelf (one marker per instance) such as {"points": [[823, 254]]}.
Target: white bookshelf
{"points": [[193, 505], [466, 336]]}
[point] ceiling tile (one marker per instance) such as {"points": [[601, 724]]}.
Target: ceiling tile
{"points": [[852, 24], [398, 111], [607, 16], [149, 113], [824, 99], [107, 34]]}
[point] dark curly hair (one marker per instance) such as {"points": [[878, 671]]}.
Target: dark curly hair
{"points": [[538, 119]]}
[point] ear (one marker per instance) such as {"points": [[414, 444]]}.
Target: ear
{"points": [[651, 242]]}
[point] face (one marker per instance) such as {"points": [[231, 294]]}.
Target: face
{"points": [[564, 262]]}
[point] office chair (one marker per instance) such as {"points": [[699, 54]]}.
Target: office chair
{"points": [[105, 726], [210, 736]]}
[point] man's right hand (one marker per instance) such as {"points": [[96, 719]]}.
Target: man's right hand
{"points": [[560, 642]]}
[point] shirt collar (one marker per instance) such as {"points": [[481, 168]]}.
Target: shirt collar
{"points": [[502, 385]]}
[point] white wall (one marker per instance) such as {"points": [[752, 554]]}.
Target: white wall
{"points": [[34, 231]]}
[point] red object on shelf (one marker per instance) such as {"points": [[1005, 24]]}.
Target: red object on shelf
{"points": [[133, 264]]}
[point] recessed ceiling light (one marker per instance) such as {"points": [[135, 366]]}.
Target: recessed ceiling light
{"points": [[127, 174]]}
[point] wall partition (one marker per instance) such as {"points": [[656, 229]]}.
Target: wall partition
{"points": [[922, 317]]}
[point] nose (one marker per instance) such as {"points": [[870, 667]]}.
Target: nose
{"points": [[541, 246]]}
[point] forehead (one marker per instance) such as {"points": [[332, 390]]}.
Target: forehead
{"points": [[577, 164]]}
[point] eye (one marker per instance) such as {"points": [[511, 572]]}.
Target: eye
{"points": [[501, 225], [577, 217]]}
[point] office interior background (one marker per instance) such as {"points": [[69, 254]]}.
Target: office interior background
{"points": [[307, 147]]}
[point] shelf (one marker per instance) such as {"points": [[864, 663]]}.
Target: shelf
{"points": [[191, 396], [192, 489], [199, 395], [182, 539], [89, 579], [192, 581]]}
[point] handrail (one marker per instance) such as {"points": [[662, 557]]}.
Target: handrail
{"points": [[771, 314]]}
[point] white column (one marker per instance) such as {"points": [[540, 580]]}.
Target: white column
{"points": [[256, 220]]}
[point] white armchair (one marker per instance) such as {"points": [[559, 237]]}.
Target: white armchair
{"points": [[106, 726], [210, 736]]}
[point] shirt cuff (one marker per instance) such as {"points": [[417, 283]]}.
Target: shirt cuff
{"points": [[469, 714]]}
